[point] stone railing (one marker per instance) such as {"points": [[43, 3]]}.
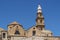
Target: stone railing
{"points": [[36, 38], [44, 38]]}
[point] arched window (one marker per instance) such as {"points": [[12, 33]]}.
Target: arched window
{"points": [[33, 33], [17, 32], [4, 35]]}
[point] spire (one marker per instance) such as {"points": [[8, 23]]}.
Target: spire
{"points": [[39, 8], [40, 18]]}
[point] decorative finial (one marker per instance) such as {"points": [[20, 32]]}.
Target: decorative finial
{"points": [[39, 8]]}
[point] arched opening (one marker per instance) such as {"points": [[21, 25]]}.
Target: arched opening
{"points": [[17, 32], [33, 33], [4, 35]]}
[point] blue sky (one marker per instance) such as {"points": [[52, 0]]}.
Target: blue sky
{"points": [[24, 12]]}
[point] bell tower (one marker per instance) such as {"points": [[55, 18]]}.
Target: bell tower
{"points": [[39, 19]]}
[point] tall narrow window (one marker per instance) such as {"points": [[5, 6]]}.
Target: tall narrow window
{"points": [[41, 21], [40, 14], [17, 32], [4, 35], [34, 32]]}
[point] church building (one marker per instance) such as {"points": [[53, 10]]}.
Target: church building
{"points": [[37, 32]]}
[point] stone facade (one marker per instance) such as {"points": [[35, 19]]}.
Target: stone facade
{"points": [[38, 32]]}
